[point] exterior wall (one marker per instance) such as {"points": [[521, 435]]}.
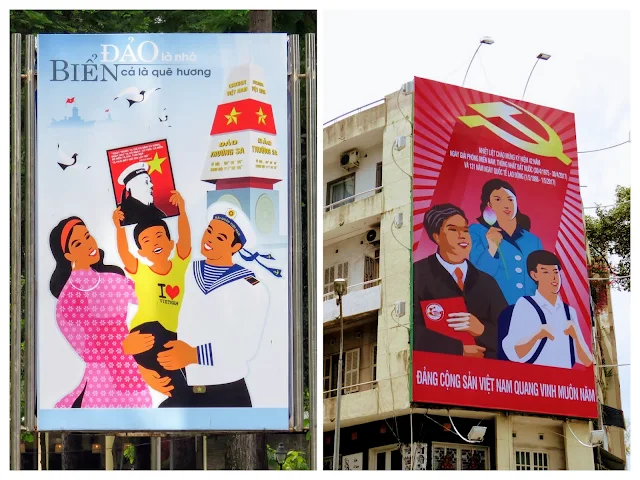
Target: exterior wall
{"points": [[360, 125], [395, 262], [528, 431], [578, 456]]}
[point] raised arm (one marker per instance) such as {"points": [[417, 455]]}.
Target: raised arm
{"points": [[184, 230], [129, 260]]}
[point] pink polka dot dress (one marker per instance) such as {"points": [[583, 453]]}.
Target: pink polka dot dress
{"points": [[92, 315]]}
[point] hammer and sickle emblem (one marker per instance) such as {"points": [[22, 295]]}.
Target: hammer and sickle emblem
{"points": [[539, 146]]}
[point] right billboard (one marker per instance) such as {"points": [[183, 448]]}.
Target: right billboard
{"points": [[501, 310]]}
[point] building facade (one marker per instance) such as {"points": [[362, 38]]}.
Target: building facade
{"points": [[367, 241]]}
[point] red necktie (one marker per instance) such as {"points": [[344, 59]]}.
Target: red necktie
{"points": [[459, 275]]}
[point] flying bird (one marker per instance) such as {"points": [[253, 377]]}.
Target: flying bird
{"points": [[65, 161], [135, 95]]}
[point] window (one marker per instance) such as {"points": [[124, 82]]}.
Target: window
{"points": [[341, 270], [529, 460], [459, 457], [374, 364], [371, 270], [350, 373], [341, 189], [385, 458], [379, 174]]}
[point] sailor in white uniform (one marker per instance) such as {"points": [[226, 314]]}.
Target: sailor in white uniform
{"points": [[223, 315]]}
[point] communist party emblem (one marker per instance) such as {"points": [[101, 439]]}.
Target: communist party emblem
{"points": [[248, 114], [506, 110]]}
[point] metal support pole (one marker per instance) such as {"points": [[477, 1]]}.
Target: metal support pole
{"points": [[204, 453], [531, 73], [312, 275], [16, 245], [29, 220], [156, 453], [296, 234], [336, 440]]}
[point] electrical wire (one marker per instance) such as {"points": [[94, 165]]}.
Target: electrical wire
{"points": [[458, 433], [608, 206], [393, 156], [611, 278], [606, 148], [400, 109], [578, 440], [396, 238]]}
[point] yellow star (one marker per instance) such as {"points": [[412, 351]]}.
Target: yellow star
{"points": [[233, 116], [155, 164], [261, 117]]}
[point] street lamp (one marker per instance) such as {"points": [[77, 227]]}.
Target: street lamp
{"points": [[281, 454], [541, 56], [483, 41], [340, 288]]}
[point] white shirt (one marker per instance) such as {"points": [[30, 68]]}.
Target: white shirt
{"points": [[451, 268], [231, 318], [525, 323]]}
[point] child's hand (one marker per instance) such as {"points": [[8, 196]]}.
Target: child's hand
{"points": [[118, 217], [177, 200]]}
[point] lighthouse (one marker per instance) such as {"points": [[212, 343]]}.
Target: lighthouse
{"points": [[243, 161]]}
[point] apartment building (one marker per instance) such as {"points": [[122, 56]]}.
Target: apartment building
{"points": [[368, 241]]}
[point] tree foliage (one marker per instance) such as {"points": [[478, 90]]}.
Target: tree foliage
{"points": [[154, 21], [609, 235]]}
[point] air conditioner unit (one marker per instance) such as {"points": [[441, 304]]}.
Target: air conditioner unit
{"points": [[350, 159], [373, 235]]}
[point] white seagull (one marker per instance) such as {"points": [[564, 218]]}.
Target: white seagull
{"points": [[65, 161], [135, 95]]}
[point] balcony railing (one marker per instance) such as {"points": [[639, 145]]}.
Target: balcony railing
{"points": [[353, 112], [351, 199], [354, 288]]}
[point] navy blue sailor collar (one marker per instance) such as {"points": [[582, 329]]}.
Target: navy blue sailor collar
{"points": [[233, 273]]}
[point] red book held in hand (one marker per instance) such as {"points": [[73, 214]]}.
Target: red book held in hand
{"points": [[436, 312]]}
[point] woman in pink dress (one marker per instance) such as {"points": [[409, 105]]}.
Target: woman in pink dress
{"points": [[91, 312]]}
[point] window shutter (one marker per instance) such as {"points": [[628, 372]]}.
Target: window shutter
{"points": [[352, 370], [326, 384]]}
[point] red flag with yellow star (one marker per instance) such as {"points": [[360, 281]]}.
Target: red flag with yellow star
{"points": [[146, 159], [242, 115]]}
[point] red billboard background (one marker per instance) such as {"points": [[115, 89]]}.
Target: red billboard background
{"points": [[453, 159]]}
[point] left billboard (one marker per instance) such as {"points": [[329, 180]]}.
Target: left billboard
{"points": [[162, 232]]}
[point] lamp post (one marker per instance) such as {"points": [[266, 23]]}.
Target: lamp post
{"points": [[483, 41], [340, 288], [541, 56], [281, 454]]}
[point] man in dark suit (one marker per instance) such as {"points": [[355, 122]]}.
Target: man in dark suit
{"points": [[449, 274]]}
